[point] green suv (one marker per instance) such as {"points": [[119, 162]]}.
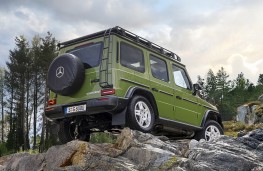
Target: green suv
{"points": [[114, 78]]}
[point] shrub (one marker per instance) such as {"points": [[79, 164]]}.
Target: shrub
{"points": [[3, 149], [102, 137]]}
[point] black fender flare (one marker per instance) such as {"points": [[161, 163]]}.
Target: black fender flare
{"points": [[146, 93], [213, 115]]}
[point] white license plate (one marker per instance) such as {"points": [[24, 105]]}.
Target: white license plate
{"points": [[74, 109]]}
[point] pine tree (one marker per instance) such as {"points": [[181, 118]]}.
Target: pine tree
{"points": [[210, 87], [36, 58], [222, 84], [260, 79], [2, 94], [17, 68], [48, 53]]}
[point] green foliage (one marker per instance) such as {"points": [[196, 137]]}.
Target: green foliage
{"points": [[259, 110], [227, 95], [25, 84], [3, 149], [50, 141], [260, 79], [102, 137]]}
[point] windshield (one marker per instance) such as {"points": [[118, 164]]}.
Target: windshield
{"points": [[90, 54]]}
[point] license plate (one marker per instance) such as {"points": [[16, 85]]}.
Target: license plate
{"points": [[74, 109]]}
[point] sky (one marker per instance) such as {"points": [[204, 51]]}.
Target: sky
{"points": [[206, 34]]}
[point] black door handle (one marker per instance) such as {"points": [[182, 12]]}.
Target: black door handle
{"points": [[155, 89], [95, 80], [179, 97]]}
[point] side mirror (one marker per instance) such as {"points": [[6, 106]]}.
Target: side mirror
{"points": [[196, 88]]}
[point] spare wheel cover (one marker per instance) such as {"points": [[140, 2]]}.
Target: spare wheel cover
{"points": [[65, 74]]}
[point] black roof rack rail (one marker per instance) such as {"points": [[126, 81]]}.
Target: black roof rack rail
{"points": [[129, 35]]}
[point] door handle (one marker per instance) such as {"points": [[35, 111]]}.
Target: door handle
{"points": [[155, 89], [179, 97], [95, 81]]}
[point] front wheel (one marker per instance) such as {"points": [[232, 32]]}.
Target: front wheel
{"points": [[140, 114], [211, 131]]}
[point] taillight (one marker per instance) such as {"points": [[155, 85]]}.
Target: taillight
{"points": [[107, 92], [52, 102]]}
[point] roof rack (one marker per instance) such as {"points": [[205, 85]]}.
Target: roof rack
{"points": [[147, 43], [129, 35]]}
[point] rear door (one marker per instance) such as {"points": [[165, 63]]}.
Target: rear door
{"points": [[90, 54], [161, 86], [187, 108]]}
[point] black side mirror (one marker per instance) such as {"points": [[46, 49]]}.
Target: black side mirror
{"points": [[196, 88]]}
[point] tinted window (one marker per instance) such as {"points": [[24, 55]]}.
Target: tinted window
{"points": [[89, 54], [180, 77], [159, 68], [132, 57]]}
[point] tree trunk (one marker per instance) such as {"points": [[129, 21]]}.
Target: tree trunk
{"points": [[2, 105], [35, 111], [42, 138], [27, 113], [22, 113], [11, 117]]}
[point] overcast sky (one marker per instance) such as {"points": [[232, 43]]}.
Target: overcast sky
{"points": [[204, 33]]}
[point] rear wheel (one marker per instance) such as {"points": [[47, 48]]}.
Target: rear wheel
{"points": [[211, 131], [140, 114], [69, 130]]}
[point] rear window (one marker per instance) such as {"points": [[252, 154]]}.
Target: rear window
{"points": [[89, 54]]}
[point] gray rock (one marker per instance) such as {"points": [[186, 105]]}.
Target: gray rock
{"points": [[226, 153], [242, 112], [241, 133], [247, 114], [193, 143], [256, 134], [260, 98], [135, 150]]}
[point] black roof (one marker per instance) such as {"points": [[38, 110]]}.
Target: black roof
{"points": [[126, 34]]}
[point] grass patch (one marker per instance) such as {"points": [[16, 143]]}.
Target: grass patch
{"points": [[103, 137], [231, 128], [170, 163]]}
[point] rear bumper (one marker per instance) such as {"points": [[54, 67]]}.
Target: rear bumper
{"points": [[110, 104]]}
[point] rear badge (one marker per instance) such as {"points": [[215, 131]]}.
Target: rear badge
{"points": [[93, 92], [60, 72]]}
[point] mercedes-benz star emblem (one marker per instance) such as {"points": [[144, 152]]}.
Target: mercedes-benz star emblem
{"points": [[60, 72]]}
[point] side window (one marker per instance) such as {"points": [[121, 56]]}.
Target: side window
{"points": [[132, 57], [159, 68], [180, 77]]}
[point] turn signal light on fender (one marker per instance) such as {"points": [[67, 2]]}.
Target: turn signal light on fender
{"points": [[52, 102], [107, 92]]}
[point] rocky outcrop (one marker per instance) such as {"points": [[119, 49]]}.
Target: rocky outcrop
{"points": [[134, 150], [228, 154], [260, 98], [250, 113]]}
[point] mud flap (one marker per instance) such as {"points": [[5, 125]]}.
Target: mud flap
{"points": [[119, 118]]}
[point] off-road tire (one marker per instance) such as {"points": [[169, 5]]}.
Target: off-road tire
{"points": [[66, 132], [132, 119], [210, 123]]}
